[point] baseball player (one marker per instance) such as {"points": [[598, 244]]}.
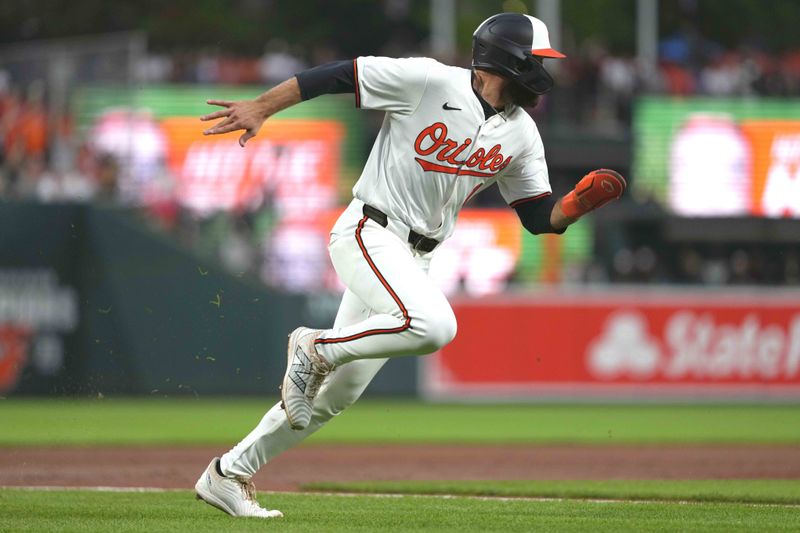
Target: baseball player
{"points": [[448, 133]]}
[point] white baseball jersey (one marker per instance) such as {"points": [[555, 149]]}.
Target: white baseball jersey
{"points": [[436, 149]]}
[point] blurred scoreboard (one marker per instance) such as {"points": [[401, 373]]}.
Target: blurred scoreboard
{"points": [[719, 157]]}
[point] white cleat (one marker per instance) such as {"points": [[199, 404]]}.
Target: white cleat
{"points": [[234, 495], [305, 372]]}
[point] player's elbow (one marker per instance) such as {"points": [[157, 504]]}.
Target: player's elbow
{"points": [[535, 229], [536, 215]]}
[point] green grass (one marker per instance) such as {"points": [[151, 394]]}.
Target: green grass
{"points": [[23, 510], [777, 491], [116, 421]]}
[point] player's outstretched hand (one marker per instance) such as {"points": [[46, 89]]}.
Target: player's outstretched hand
{"points": [[595, 189], [247, 115]]}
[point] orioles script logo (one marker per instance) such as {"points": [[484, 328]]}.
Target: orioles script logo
{"points": [[481, 163]]}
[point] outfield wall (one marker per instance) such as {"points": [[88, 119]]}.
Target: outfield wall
{"points": [[94, 301]]}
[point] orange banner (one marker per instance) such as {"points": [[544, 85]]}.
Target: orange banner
{"points": [[294, 163], [775, 148]]}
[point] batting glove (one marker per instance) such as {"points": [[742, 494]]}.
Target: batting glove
{"points": [[595, 189]]}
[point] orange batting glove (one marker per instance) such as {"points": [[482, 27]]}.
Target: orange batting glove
{"points": [[595, 189]]}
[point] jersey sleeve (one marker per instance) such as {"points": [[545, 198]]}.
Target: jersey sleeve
{"points": [[526, 178], [335, 77], [389, 84]]}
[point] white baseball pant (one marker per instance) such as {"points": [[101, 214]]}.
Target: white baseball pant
{"points": [[390, 308]]}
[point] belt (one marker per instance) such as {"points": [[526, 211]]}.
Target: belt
{"points": [[417, 241]]}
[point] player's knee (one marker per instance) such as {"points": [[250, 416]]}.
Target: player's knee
{"points": [[440, 329]]}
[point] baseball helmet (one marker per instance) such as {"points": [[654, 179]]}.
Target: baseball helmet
{"points": [[513, 45]]}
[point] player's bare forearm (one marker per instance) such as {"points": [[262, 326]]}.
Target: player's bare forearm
{"points": [[594, 190], [558, 219], [249, 115]]}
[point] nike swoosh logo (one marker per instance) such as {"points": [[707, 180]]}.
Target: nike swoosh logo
{"points": [[448, 108]]}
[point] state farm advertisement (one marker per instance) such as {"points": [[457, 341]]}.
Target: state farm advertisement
{"points": [[623, 346]]}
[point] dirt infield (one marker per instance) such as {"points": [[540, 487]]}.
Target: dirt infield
{"points": [[179, 467]]}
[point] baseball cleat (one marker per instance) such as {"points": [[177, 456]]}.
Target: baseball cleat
{"points": [[234, 495], [305, 372]]}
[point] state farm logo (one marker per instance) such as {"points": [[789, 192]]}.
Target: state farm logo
{"points": [[625, 348], [480, 163], [693, 345]]}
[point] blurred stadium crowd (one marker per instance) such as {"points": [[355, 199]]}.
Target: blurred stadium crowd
{"points": [[597, 85], [39, 156], [44, 157]]}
